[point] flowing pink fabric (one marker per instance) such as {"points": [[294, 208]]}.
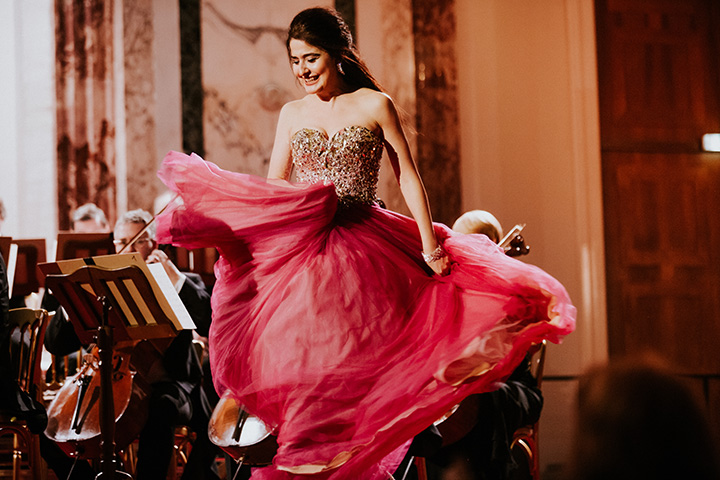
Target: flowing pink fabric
{"points": [[328, 325]]}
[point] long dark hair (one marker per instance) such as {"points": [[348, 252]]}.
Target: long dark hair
{"points": [[324, 28]]}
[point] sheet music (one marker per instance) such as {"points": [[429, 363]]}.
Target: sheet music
{"points": [[10, 264], [163, 281], [163, 289]]}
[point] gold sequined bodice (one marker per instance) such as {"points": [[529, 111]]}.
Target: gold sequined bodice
{"points": [[350, 159]]}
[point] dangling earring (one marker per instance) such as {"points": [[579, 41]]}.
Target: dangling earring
{"points": [[339, 67]]}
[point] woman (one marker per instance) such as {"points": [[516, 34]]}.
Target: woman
{"points": [[342, 324]]}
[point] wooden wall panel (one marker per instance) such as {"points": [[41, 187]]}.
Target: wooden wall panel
{"points": [[657, 85], [714, 406], [661, 214]]}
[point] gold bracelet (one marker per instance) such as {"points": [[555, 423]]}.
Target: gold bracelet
{"points": [[436, 254]]}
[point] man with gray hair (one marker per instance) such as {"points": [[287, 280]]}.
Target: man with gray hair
{"points": [[89, 218]]}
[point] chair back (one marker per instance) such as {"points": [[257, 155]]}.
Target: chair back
{"points": [[26, 330], [28, 277], [537, 361], [524, 444], [198, 260]]}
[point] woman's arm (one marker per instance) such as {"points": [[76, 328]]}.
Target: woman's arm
{"points": [[280, 160], [408, 177]]}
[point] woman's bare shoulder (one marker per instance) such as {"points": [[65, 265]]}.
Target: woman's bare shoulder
{"points": [[373, 102], [293, 106], [370, 95], [291, 112]]}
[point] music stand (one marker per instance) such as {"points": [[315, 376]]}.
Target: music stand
{"points": [[115, 304], [82, 245]]}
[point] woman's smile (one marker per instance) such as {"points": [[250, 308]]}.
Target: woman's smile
{"points": [[313, 67]]}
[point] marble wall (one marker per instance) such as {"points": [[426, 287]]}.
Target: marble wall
{"points": [[385, 39], [235, 78], [246, 79], [139, 95], [85, 125]]}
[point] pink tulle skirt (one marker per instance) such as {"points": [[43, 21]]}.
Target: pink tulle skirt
{"points": [[328, 325]]}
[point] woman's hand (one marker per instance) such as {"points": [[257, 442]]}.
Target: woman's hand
{"points": [[438, 260], [441, 266]]}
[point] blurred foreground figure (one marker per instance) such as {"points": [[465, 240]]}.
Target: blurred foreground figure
{"points": [[637, 420]]}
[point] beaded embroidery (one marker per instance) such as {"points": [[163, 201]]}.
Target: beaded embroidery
{"points": [[350, 159]]}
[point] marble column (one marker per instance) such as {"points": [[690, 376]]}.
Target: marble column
{"points": [[410, 46], [85, 127], [139, 104], [437, 108], [191, 77]]}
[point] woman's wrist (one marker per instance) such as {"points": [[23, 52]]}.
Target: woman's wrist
{"points": [[435, 255]]}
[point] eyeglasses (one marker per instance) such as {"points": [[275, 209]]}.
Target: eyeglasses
{"points": [[121, 242]]}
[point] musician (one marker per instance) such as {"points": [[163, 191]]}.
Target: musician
{"points": [[484, 452], [89, 218], [479, 221], [176, 396]]}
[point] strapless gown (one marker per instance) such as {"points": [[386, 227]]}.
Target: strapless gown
{"points": [[327, 323]]}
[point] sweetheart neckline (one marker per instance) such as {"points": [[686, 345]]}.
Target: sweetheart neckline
{"points": [[330, 137]]}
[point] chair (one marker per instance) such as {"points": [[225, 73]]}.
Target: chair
{"points": [[24, 342], [28, 281], [28, 277], [198, 260], [184, 437], [525, 439]]}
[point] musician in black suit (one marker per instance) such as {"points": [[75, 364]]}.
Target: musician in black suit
{"points": [[483, 451], [176, 396]]}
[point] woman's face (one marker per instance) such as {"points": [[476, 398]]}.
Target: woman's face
{"points": [[313, 67]]}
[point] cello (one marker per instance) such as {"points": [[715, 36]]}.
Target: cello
{"points": [[74, 420], [241, 435]]}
